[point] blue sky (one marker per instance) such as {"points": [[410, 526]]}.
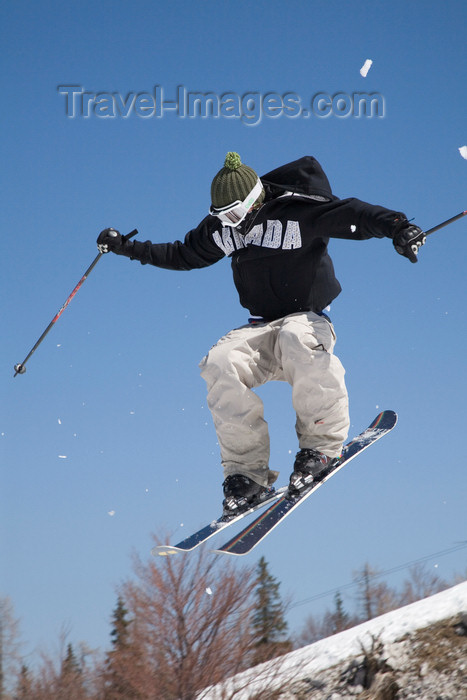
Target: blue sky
{"points": [[107, 437]]}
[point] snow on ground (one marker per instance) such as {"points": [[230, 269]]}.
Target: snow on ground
{"points": [[345, 645]]}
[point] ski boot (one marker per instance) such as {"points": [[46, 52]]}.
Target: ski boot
{"points": [[241, 493], [310, 467]]}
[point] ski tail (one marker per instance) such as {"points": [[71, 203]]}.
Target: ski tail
{"points": [[205, 533]]}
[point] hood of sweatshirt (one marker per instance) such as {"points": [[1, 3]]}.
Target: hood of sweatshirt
{"points": [[303, 176]]}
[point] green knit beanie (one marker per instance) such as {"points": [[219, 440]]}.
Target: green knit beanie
{"points": [[234, 181]]}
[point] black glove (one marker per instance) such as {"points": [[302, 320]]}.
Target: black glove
{"points": [[109, 240], [408, 240]]}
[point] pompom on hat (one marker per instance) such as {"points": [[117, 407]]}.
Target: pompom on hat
{"points": [[233, 182]]}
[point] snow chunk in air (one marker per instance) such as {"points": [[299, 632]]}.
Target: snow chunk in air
{"points": [[366, 67]]}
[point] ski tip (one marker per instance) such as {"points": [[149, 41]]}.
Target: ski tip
{"points": [[387, 416]]}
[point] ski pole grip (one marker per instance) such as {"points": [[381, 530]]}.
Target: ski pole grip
{"points": [[130, 235]]}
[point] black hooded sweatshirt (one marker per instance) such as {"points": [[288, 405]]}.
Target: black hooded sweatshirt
{"points": [[279, 253]]}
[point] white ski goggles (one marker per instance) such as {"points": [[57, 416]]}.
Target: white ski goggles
{"points": [[233, 214]]}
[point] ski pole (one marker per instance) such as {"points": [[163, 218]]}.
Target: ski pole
{"points": [[20, 367], [445, 223]]}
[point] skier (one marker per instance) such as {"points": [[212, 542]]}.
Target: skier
{"points": [[276, 231]]}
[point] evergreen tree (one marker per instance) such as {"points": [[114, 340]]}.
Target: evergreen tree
{"points": [[340, 619], [70, 666], [24, 687], [70, 685], [119, 632], [120, 657], [269, 624]]}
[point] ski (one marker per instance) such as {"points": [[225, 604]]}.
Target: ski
{"points": [[208, 531], [256, 531]]}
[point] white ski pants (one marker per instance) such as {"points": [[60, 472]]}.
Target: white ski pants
{"points": [[297, 349]]}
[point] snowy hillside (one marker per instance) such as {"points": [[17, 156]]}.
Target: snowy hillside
{"points": [[389, 642]]}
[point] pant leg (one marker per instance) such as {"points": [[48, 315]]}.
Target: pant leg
{"points": [[240, 361], [306, 342]]}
